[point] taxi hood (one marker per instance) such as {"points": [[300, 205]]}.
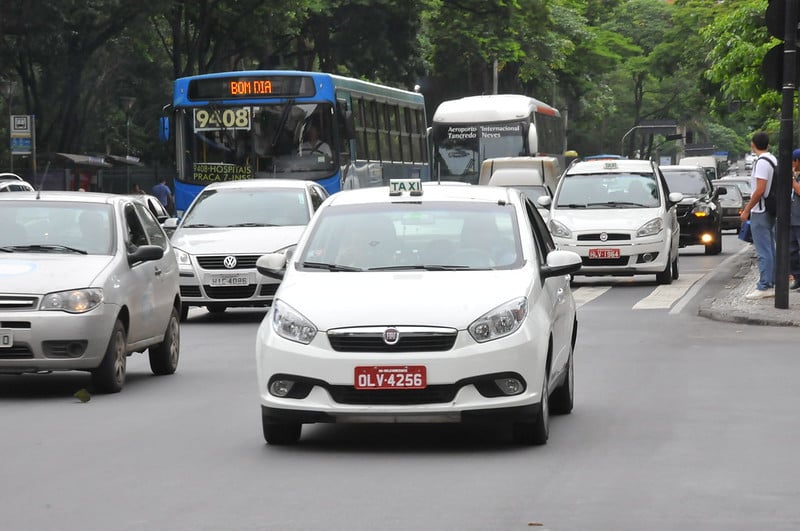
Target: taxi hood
{"points": [[382, 298], [236, 240], [625, 219], [38, 273]]}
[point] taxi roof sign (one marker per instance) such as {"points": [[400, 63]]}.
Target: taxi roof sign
{"points": [[412, 186]]}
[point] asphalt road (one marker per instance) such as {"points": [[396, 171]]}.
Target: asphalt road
{"points": [[680, 422]]}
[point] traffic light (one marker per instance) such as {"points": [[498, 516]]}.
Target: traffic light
{"points": [[778, 26]]}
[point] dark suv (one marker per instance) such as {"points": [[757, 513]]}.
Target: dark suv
{"points": [[700, 213]]}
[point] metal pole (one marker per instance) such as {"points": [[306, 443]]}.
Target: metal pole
{"points": [[783, 183], [622, 142], [127, 152]]}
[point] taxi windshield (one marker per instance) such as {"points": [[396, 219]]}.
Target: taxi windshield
{"points": [[248, 207], [57, 227], [432, 236], [608, 190]]}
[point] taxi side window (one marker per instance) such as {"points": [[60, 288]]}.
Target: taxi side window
{"points": [[135, 235], [151, 226], [541, 234], [317, 197]]}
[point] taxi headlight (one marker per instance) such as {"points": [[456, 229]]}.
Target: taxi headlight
{"points": [[500, 322], [182, 257], [651, 228], [290, 324], [72, 301], [559, 230]]}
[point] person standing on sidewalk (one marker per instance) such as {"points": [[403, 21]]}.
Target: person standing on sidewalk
{"points": [[762, 223], [794, 222]]}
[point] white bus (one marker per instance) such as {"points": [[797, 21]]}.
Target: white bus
{"points": [[467, 131]]}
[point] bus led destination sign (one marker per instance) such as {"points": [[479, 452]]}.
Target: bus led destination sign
{"points": [[232, 87]]}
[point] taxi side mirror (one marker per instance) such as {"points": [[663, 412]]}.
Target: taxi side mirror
{"points": [[561, 263], [145, 253], [272, 265]]}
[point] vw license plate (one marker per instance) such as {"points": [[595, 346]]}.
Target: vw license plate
{"points": [[603, 253], [229, 280], [6, 338], [391, 377]]}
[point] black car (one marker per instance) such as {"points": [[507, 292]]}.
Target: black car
{"points": [[700, 213]]}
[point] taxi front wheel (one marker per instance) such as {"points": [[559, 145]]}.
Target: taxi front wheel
{"points": [[535, 433], [164, 356], [109, 377], [279, 433]]}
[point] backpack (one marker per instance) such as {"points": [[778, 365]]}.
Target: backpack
{"points": [[770, 201]]}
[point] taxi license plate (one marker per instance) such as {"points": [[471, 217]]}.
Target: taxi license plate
{"points": [[603, 253], [229, 280], [6, 338], [391, 377]]}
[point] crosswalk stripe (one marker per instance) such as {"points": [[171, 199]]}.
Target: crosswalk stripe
{"points": [[663, 297], [586, 294]]}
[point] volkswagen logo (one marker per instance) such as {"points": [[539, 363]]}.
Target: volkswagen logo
{"points": [[229, 262], [603, 236], [391, 336]]}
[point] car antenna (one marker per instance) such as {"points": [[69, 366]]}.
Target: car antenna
{"points": [[41, 184]]}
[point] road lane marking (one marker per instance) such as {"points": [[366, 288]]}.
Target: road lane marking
{"points": [[663, 297], [587, 294]]}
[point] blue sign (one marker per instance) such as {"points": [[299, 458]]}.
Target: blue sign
{"points": [[21, 145]]}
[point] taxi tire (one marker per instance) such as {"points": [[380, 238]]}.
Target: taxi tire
{"points": [[164, 356], [109, 376], [281, 433], [535, 433], [666, 276], [563, 398], [675, 272]]}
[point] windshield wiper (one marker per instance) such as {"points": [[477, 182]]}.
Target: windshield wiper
{"points": [[330, 267], [282, 122], [621, 203], [571, 205], [47, 247], [7, 249], [250, 224], [424, 267], [200, 226]]}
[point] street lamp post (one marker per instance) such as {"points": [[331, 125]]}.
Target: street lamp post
{"points": [[9, 88], [127, 105]]}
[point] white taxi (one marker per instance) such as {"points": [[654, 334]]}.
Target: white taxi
{"points": [[419, 304], [619, 216]]}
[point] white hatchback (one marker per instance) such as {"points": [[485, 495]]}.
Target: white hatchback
{"points": [[404, 304], [619, 216]]}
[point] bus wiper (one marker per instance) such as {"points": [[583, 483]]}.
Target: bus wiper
{"points": [[329, 267], [424, 267], [282, 122], [251, 224], [48, 247], [200, 226]]}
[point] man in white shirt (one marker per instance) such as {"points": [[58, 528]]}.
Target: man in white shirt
{"points": [[313, 145], [762, 223]]}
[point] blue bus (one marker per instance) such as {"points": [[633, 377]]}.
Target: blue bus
{"points": [[341, 132]]}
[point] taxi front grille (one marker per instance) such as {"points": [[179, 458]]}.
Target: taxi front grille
{"points": [[230, 292], [217, 262], [605, 262], [14, 302], [433, 394], [610, 236], [17, 351], [408, 342]]}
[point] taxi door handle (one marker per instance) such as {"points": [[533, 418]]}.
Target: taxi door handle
{"points": [[158, 271], [560, 295]]}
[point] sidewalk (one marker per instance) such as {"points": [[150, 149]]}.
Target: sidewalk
{"points": [[730, 304]]}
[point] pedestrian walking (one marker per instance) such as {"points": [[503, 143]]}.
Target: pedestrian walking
{"points": [[762, 223], [794, 223]]}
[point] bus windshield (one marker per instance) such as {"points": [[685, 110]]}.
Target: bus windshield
{"points": [[268, 140], [461, 148]]}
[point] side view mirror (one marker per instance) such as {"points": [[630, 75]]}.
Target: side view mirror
{"points": [[272, 265], [675, 197], [561, 263], [170, 223], [544, 200], [145, 253]]}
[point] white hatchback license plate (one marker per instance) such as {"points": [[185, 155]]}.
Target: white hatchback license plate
{"points": [[6, 338], [229, 280], [603, 253]]}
